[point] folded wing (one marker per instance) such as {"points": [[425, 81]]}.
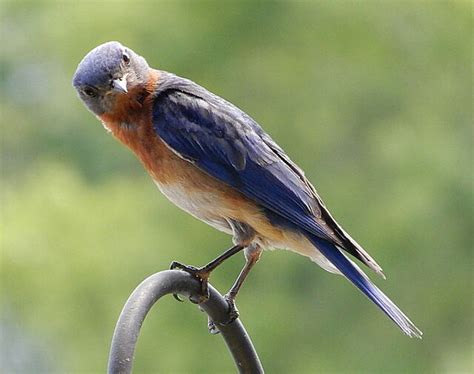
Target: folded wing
{"points": [[227, 144]]}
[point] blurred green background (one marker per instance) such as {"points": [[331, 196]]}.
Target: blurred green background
{"points": [[372, 99]]}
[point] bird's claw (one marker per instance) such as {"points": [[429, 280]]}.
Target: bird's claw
{"points": [[202, 275], [233, 313], [198, 273], [178, 265]]}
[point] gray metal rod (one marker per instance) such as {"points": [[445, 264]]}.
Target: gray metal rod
{"points": [[178, 282]]}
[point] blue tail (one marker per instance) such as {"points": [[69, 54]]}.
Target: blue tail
{"points": [[362, 282]]}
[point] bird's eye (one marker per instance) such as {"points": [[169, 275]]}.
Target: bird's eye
{"points": [[126, 58], [88, 91]]}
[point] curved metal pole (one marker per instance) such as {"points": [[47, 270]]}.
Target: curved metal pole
{"points": [[178, 282]]}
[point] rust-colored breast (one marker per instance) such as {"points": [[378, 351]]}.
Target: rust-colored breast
{"points": [[131, 124], [185, 184]]}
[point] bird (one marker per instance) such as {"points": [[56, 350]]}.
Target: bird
{"points": [[216, 162]]}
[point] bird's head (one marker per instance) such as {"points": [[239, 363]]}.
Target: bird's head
{"points": [[107, 72]]}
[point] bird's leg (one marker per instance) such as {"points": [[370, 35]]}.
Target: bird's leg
{"points": [[252, 255], [204, 272]]}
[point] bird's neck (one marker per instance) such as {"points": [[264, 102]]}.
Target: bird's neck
{"points": [[131, 109], [132, 125]]}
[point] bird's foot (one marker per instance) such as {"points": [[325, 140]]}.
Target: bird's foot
{"points": [[232, 312], [201, 274]]}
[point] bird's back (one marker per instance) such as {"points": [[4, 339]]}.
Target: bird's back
{"points": [[184, 109]]}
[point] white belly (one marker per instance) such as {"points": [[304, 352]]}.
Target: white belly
{"points": [[202, 205], [210, 207]]}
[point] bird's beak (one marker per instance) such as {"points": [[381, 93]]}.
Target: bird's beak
{"points": [[120, 85]]}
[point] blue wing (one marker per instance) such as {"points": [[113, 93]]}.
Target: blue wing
{"points": [[226, 143]]}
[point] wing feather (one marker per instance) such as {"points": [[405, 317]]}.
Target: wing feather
{"points": [[226, 143]]}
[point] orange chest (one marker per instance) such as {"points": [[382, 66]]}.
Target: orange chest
{"points": [[138, 135], [165, 167], [181, 181]]}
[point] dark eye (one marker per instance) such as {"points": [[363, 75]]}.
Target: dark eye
{"points": [[88, 91], [126, 58]]}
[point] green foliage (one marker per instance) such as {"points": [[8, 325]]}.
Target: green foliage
{"points": [[372, 99]]}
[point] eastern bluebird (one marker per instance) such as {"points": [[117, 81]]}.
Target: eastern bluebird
{"points": [[215, 162]]}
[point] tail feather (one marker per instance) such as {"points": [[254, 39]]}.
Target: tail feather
{"points": [[352, 272]]}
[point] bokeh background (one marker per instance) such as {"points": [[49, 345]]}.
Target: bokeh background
{"points": [[372, 99]]}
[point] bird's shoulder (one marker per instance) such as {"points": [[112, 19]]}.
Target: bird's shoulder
{"points": [[228, 144], [183, 106], [199, 123]]}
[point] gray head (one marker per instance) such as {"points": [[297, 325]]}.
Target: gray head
{"points": [[108, 71]]}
